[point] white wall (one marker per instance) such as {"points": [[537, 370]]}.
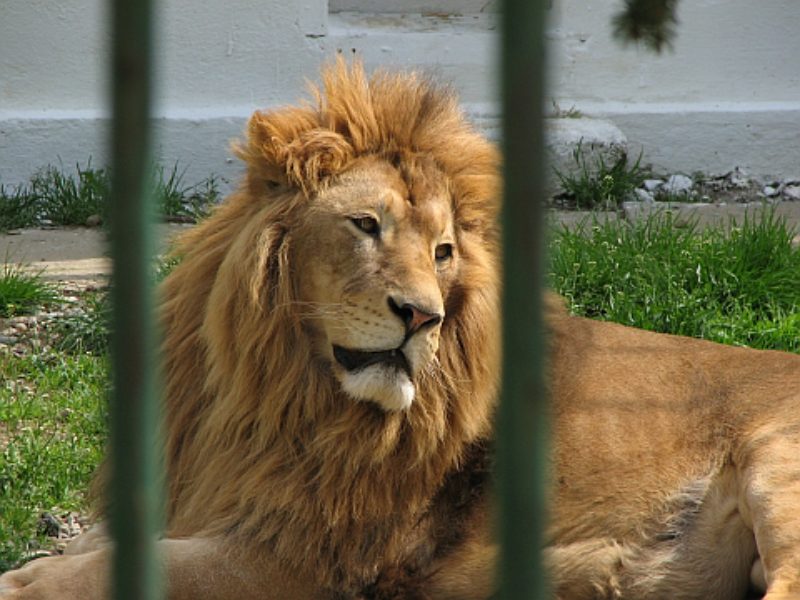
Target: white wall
{"points": [[728, 95]]}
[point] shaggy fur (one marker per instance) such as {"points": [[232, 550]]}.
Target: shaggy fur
{"points": [[261, 440]]}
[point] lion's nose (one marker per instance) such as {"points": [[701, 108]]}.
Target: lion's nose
{"points": [[414, 317]]}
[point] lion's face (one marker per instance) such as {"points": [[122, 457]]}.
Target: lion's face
{"points": [[379, 253]]}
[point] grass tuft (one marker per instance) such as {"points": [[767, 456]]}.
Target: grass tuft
{"points": [[55, 197], [86, 332], [21, 292], [186, 202], [65, 199], [600, 185], [735, 286]]}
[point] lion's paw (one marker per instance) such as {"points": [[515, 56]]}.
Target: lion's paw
{"points": [[80, 577]]}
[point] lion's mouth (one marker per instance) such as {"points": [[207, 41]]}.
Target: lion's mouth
{"points": [[356, 360]]}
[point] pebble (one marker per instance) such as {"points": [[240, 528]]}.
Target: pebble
{"points": [[651, 185], [678, 184], [645, 196], [739, 178], [792, 192], [8, 340], [770, 191], [94, 221]]}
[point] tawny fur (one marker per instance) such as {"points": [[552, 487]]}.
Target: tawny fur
{"points": [[261, 441]]}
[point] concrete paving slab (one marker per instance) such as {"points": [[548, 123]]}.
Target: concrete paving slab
{"points": [[70, 254]]}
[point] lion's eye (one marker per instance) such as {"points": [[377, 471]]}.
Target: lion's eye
{"points": [[443, 252], [368, 225]]}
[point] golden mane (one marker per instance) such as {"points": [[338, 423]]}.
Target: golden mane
{"points": [[260, 440]]}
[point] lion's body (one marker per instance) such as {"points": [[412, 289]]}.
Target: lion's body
{"points": [[668, 453], [332, 363]]}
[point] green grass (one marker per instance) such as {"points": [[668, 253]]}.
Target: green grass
{"points": [[735, 287], [67, 199], [174, 198], [22, 292], [598, 184], [52, 433], [86, 332], [55, 196]]}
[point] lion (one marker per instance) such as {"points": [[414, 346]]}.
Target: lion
{"points": [[332, 364]]}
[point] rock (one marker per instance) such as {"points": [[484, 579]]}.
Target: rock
{"points": [[739, 178], [7, 340], [678, 184], [49, 524], [21, 327], [94, 221], [792, 192], [770, 191], [644, 196], [651, 185]]}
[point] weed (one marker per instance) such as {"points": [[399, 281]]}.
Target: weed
{"points": [[85, 332], [570, 113], [60, 198], [600, 185], [22, 292], [175, 199], [70, 200], [17, 208]]}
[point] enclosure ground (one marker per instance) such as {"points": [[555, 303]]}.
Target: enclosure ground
{"points": [[71, 254], [81, 253]]}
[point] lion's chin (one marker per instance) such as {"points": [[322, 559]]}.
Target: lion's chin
{"points": [[387, 386]]}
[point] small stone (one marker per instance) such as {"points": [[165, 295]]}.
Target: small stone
{"points": [[651, 185], [769, 191], [94, 221], [792, 192], [678, 184], [644, 196], [21, 327], [739, 178], [7, 340]]}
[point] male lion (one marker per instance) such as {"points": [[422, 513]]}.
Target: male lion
{"points": [[331, 363]]}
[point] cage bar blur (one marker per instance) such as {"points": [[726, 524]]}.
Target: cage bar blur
{"points": [[522, 425], [134, 500]]}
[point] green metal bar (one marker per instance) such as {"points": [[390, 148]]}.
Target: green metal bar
{"points": [[522, 425], [134, 497]]}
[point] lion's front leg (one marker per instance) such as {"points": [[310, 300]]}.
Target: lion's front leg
{"points": [[770, 501], [194, 569]]}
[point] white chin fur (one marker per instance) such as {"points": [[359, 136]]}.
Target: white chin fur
{"points": [[388, 387]]}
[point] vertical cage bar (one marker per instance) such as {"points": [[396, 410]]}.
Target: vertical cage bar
{"points": [[522, 424], [133, 494]]}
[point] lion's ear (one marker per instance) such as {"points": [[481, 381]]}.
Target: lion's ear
{"points": [[289, 147]]}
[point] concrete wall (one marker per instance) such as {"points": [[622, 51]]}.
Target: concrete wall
{"points": [[728, 95]]}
